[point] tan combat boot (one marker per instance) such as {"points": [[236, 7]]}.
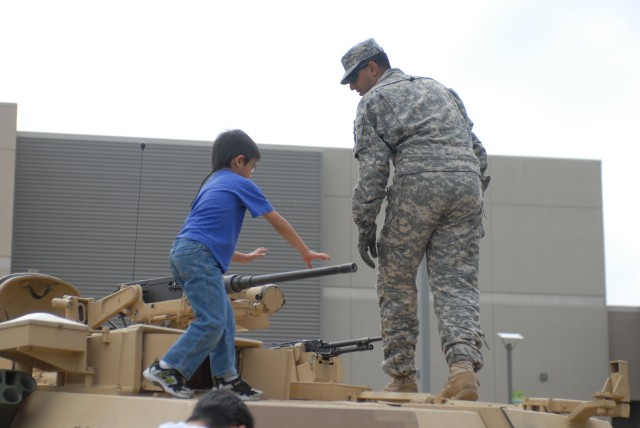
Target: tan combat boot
{"points": [[462, 383], [402, 384]]}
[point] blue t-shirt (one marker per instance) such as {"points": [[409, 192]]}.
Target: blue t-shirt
{"points": [[217, 213]]}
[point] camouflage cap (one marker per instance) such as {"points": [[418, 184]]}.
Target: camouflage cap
{"points": [[357, 54]]}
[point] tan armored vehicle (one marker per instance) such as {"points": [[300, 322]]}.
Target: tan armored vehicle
{"points": [[69, 365]]}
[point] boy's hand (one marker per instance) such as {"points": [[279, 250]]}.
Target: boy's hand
{"points": [[309, 256], [258, 253]]}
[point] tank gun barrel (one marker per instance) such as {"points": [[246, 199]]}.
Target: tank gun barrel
{"points": [[237, 283]]}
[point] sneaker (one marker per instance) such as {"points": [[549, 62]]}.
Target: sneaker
{"points": [[403, 384], [170, 380], [239, 387]]}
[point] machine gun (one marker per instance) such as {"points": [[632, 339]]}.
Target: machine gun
{"points": [[328, 350]]}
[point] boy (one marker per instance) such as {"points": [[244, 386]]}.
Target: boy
{"points": [[200, 256]]}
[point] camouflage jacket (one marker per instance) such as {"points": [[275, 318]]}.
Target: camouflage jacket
{"points": [[419, 125]]}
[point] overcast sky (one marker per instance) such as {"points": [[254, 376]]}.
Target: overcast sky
{"points": [[544, 78]]}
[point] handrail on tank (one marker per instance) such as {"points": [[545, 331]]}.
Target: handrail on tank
{"points": [[237, 283]]}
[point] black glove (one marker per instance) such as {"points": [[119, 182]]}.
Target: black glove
{"points": [[367, 244], [485, 182]]}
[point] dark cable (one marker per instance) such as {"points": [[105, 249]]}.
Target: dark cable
{"points": [[135, 242]]}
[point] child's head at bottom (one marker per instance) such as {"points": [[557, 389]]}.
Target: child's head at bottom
{"points": [[230, 144]]}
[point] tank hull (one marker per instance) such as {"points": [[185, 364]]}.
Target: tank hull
{"points": [[90, 375], [45, 409]]}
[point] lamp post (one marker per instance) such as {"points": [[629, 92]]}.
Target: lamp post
{"points": [[509, 340]]}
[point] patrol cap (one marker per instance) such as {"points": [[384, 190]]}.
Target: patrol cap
{"points": [[357, 54]]}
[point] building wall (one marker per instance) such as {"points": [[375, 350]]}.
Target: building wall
{"points": [[541, 275], [8, 116], [624, 323], [99, 211], [350, 308]]}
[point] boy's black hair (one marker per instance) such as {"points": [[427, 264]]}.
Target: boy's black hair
{"points": [[227, 146], [221, 409], [230, 144]]}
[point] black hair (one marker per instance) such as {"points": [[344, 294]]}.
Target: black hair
{"points": [[230, 144], [226, 147], [381, 59], [221, 409]]}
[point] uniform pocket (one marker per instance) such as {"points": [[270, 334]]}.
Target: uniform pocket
{"points": [[357, 130]]}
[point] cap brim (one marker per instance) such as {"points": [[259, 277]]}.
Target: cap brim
{"points": [[347, 73]]}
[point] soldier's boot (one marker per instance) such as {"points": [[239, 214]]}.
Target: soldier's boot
{"points": [[402, 384], [462, 383]]}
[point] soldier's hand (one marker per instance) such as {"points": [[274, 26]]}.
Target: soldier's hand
{"points": [[367, 244]]}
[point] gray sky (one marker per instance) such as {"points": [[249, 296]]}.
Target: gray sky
{"points": [[545, 78]]}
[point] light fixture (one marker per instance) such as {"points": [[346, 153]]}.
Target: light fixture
{"points": [[509, 340]]}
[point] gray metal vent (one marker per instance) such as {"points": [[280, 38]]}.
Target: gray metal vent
{"points": [[76, 210]]}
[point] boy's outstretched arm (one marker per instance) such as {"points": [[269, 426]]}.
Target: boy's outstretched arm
{"points": [[249, 257], [282, 226]]}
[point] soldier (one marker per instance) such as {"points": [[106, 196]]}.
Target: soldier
{"points": [[434, 207]]}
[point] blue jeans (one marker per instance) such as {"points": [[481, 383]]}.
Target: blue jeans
{"points": [[212, 332]]}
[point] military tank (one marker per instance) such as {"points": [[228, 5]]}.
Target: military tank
{"points": [[70, 363]]}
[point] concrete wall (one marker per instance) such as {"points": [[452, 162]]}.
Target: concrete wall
{"points": [[350, 306], [8, 117], [624, 325], [541, 275]]}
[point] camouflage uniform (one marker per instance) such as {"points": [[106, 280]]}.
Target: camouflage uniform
{"points": [[434, 207]]}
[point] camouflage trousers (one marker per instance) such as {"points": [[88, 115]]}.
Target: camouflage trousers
{"points": [[440, 215]]}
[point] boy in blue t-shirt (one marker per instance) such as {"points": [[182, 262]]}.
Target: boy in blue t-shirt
{"points": [[201, 254]]}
